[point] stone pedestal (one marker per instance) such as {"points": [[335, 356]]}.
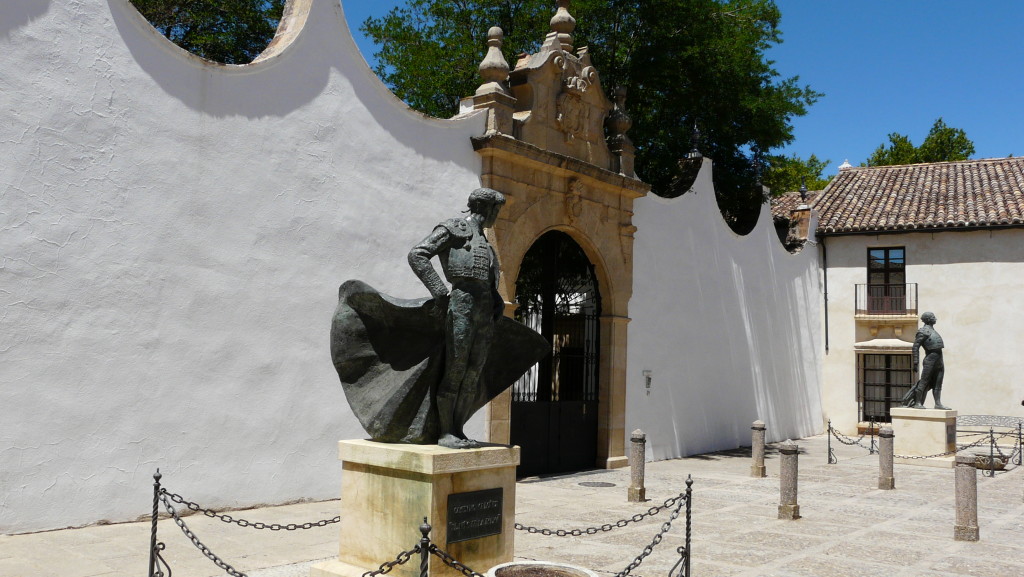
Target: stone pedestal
{"points": [[924, 432], [387, 490]]}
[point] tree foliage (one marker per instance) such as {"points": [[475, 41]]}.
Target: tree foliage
{"points": [[943, 143], [700, 62], [786, 173], [229, 31]]}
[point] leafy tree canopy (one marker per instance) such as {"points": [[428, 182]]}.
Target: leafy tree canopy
{"points": [[229, 31], [683, 63], [786, 173], [943, 143]]}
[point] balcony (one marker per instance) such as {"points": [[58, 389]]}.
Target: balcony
{"points": [[887, 299]]}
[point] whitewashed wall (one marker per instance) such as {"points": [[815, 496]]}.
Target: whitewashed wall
{"points": [[973, 282], [172, 236], [728, 325]]}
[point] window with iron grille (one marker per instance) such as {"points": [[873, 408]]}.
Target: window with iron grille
{"points": [[882, 382]]}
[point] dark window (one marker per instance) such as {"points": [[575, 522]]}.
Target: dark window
{"points": [[887, 280], [887, 266], [884, 379]]}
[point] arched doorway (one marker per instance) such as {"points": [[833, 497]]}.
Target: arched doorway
{"points": [[554, 412]]}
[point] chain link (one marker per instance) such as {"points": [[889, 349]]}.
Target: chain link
{"points": [[850, 442], [657, 539], [680, 498], [387, 566], [244, 523], [195, 540], [959, 448], [452, 562]]}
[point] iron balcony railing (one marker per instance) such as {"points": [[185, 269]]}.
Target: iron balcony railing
{"points": [[887, 299]]}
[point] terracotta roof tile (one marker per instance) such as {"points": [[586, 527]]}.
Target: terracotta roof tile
{"points": [[963, 194]]}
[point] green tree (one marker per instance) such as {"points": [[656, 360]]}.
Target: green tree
{"points": [[943, 143], [683, 63], [229, 31], [785, 173]]}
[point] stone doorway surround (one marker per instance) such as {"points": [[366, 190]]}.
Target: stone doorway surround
{"points": [[556, 147]]}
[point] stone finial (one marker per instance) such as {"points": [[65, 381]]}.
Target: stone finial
{"points": [[563, 24], [494, 68], [846, 164], [618, 121]]}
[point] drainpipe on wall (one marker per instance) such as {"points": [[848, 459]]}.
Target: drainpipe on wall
{"points": [[824, 268]]}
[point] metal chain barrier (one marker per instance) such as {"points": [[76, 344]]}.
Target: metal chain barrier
{"points": [[683, 553], [452, 562], [387, 566], [984, 439], [157, 564], [680, 569], [195, 540], [607, 526], [244, 523], [848, 441]]}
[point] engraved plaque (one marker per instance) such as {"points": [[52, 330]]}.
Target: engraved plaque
{"points": [[475, 514]]}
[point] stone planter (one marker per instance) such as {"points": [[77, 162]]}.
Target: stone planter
{"points": [[538, 569]]}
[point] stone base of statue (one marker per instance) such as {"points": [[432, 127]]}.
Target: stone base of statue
{"points": [[924, 433], [467, 495]]}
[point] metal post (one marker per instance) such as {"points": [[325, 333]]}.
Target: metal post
{"points": [[424, 547], [991, 452], [885, 470], [788, 507], [966, 489], [152, 536], [757, 449], [871, 431], [831, 456], [637, 461], [1020, 445], [689, 503]]}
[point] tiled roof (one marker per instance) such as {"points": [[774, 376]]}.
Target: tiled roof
{"points": [[785, 204], [962, 194]]}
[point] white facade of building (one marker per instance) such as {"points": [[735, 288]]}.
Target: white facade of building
{"points": [[972, 282], [173, 233]]}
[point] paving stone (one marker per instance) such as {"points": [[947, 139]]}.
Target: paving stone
{"points": [[848, 526]]}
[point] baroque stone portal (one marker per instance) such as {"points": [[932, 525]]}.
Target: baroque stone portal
{"points": [[414, 371]]}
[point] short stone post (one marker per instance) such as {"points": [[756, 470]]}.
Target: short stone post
{"points": [[788, 508], [886, 480], [966, 488], [637, 462], [757, 449]]}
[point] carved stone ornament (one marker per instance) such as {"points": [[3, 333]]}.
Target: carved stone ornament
{"points": [[573, 114], [574, 201]]}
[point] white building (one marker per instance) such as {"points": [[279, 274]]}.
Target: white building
{"points": [[897, 241]]}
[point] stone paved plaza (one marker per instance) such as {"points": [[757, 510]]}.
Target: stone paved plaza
{"points": [[849, 527]]}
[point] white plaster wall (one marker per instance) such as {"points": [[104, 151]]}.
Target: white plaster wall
{"points": [[728, 325], [973, 282], [172, 236]]}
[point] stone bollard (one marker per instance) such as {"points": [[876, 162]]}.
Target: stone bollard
{"points": [[757, 449], [966, 488], [637, 462], [788, 472], [886, 480]]}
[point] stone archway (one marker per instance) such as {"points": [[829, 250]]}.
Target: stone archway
{"points": [[548, 191], [555, 405], [556, 146]]}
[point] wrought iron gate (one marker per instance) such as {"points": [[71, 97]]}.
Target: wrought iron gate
{"points": [[554, 405]]}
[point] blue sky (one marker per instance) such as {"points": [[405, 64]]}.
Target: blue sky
{"points": [[886, 66]]}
